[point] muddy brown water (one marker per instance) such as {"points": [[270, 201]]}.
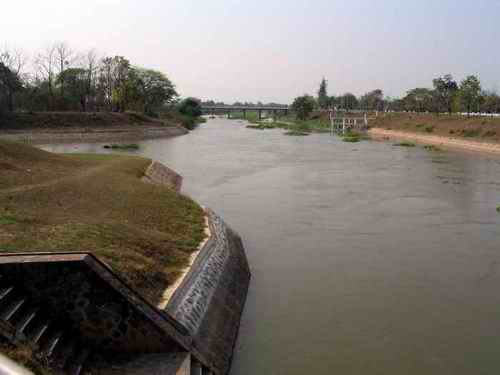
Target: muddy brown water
{"points": [[366, 258]]}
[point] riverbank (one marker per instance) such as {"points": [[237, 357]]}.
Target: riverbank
{"points": [[44, 127], [51, 202], [441, 141]]}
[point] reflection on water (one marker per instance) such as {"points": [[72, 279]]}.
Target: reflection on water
{"points": [[366, 258]]}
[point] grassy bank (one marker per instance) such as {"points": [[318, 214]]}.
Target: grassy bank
{"points": [[97, 203], [483, 129]]}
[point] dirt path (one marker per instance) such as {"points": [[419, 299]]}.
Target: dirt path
{"points": [[445, 142]]}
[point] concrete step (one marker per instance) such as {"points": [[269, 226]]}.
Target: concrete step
{"points": [[52, 342], [39, 332], [78, 362], [25, 320], [12, 308]]}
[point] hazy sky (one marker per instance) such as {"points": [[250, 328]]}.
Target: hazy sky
{"points": [[272, 50]]}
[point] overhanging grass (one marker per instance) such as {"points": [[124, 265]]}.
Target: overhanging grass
{"points": [[97, 203], [126, 146], [405, 144], [433, 148]]}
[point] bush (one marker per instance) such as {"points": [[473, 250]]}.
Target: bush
{"points": [[405, 144], [429, 128], [190, 107]]}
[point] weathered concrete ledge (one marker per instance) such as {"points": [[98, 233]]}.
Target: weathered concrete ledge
{"points": [[159, 174], [128, 133], [211, 299]]}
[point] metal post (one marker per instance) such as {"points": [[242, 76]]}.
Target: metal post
{"points": [[260, 114], [244, 113], [229, 114], [343, 125]]}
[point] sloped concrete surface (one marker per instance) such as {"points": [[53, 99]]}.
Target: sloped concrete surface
{"points": [[210, 301]]}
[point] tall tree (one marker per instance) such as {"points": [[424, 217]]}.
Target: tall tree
{"points": [[12, 62], [470, 93], [445, 88], [45, 64], [323, 99], [154, 89], [9, 84], [303, 106]]}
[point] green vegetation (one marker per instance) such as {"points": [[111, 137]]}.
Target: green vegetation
{"points": [[353, 138], [68, 81], [97, 203], [262, 126], [303, 106], [296, 133], [432, 148], [405, 144], [125, 146], [469, 133], [429, 128], [498, 209], [7, 220]]}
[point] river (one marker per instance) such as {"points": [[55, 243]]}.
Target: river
{"points": [[366, 258]]}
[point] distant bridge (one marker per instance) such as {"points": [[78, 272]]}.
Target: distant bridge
{"points": [[275, 110]]}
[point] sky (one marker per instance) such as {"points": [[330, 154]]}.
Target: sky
{"points": [[272, 50]]}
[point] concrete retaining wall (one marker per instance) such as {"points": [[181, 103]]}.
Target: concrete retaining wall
{"points": [[210, 301], [160, 174], [93, 135]]}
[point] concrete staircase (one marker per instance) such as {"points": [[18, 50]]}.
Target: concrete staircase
{"points": [[23, 322]]}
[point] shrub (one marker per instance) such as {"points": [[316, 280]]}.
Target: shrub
{"points": [[429, 128], [405, 144]]}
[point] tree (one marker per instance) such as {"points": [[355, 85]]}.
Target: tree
{"points": [[418, 100], [348, 101], [470, 93], [154, 89], [373, 100], [190, 107], [490, 102], [323, 99], [45, 64], [303, 106], [75, 80], [10, 83], [445, 88]]}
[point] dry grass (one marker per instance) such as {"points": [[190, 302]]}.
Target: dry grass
{"points": [[475, 128], [25, 356], [97, 203]]}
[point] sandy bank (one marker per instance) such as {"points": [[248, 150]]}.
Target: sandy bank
{"points": [[445, 142]]}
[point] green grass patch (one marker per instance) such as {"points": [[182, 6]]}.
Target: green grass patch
{"points": [[125, 146], [405, 144], [296, 133], [432, 148], [351, 139], [469, 133], [7, 220], [261, 126]]}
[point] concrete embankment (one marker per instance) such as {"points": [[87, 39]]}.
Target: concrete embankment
{"points": [[211, 298], [128, 133], [445, 142]]}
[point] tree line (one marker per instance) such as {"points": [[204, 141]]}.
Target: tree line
{"points": [[59, 78], [446, 96]]}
